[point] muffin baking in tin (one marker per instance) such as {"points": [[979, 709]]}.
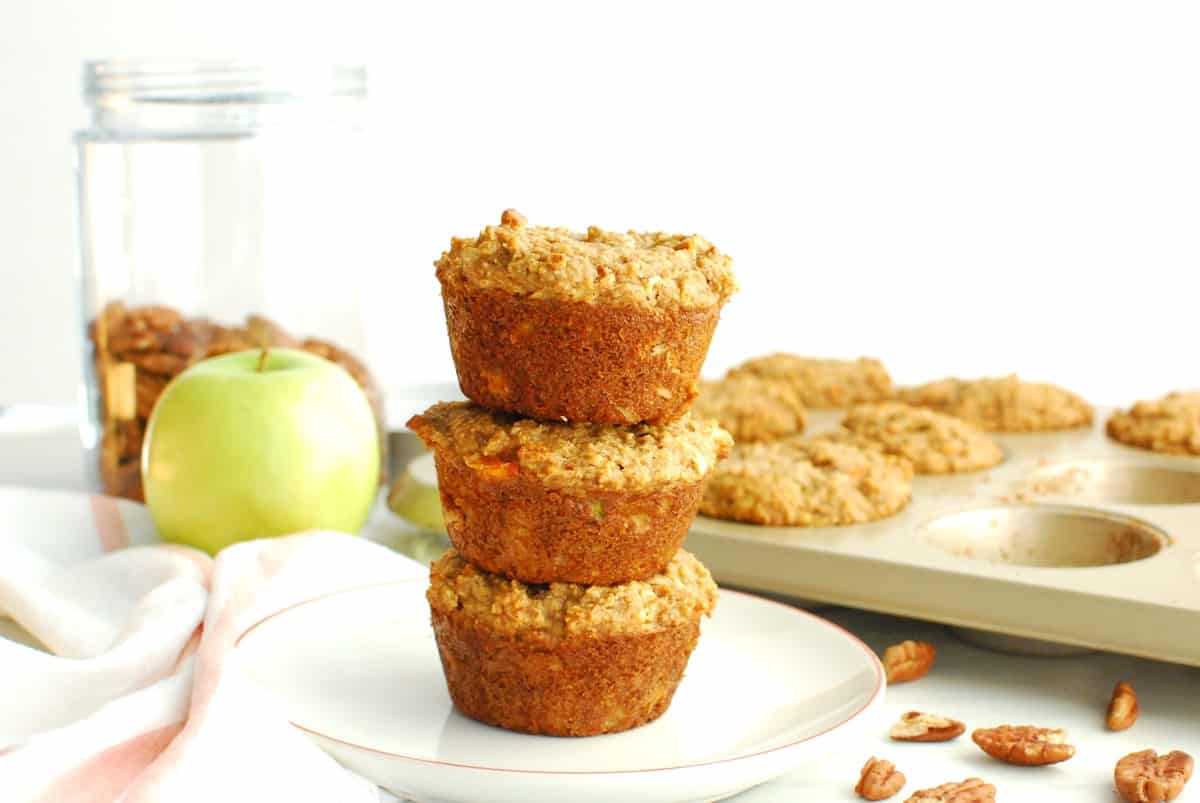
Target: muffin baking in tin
{"points": [[935, 443], [566, 659], [822, 383], [580, 503], [752, 409], [601, 327], [1170, 424], [1003, 403], [815, 482]]}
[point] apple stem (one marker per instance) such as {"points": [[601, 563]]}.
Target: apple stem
{"points": [[262, 360]]}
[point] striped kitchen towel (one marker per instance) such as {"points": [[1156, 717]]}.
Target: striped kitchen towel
{"points": [[138, 697]]}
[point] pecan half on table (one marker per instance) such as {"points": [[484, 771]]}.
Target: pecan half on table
{"points": [[1122, 709], [908, 660], [917, 726], [1147, 777], [879, 780], [1024, 745], [972, 790]]}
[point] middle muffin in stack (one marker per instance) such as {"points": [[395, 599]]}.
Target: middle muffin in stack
{"points": [[567, 606]]}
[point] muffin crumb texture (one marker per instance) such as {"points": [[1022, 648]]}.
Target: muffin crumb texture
{"points": [[650, 269], [575, 457], [679, 595]]}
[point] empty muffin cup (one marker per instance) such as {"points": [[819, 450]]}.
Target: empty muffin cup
{"points": [[1122, 482], [1045, 536]]}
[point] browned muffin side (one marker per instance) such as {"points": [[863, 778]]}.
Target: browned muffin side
{"points": [[581, 503], [566, 659], [602, 327]]}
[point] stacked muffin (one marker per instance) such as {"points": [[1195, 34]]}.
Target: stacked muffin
{"points": [[566, 606]]}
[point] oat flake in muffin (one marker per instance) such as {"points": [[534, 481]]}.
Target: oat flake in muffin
{"points": [[752, 409], [823, 383], [807, 483], [1170, 425]]}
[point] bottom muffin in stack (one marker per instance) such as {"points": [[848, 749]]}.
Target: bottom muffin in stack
{"points": [[562, 658]]}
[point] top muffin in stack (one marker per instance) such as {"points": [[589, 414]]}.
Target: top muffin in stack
{"points": [[569, 485], [602, 327]]}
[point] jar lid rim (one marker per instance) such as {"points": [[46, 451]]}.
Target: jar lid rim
{"points": [[221, 80]]}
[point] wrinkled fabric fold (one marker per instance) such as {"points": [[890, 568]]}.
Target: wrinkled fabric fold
{"points": [[141, 696]]}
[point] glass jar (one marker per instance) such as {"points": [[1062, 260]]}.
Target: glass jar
{"points": [[220, 208]]}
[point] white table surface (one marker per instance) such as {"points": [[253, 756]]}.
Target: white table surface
{"points": [[978, 686]]}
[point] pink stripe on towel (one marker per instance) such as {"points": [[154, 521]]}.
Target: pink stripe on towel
{"points": [[104, 776], [109, 524]]}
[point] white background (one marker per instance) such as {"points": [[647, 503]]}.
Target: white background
{"points": [[954, 187]]}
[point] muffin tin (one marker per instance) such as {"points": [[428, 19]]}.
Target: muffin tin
{"points": [[1073, 539]]}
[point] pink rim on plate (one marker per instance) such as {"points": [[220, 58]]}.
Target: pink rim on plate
{"points": [[874, 660]]}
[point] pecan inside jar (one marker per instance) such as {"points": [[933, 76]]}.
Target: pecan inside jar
{"points": [[136, 353]]}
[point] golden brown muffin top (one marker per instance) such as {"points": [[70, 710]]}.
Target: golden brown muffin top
{"points": [[822, 382], [574, 456], [1170, 424], [683, 592], [933, 442], [649, 269], [807, 483], [751, 408], [1003, 403]]}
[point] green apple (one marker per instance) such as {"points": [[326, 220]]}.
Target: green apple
{"points": [[250, 445]]}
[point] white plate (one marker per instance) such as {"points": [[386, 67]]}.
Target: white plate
{"points": [[768, 688]]}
